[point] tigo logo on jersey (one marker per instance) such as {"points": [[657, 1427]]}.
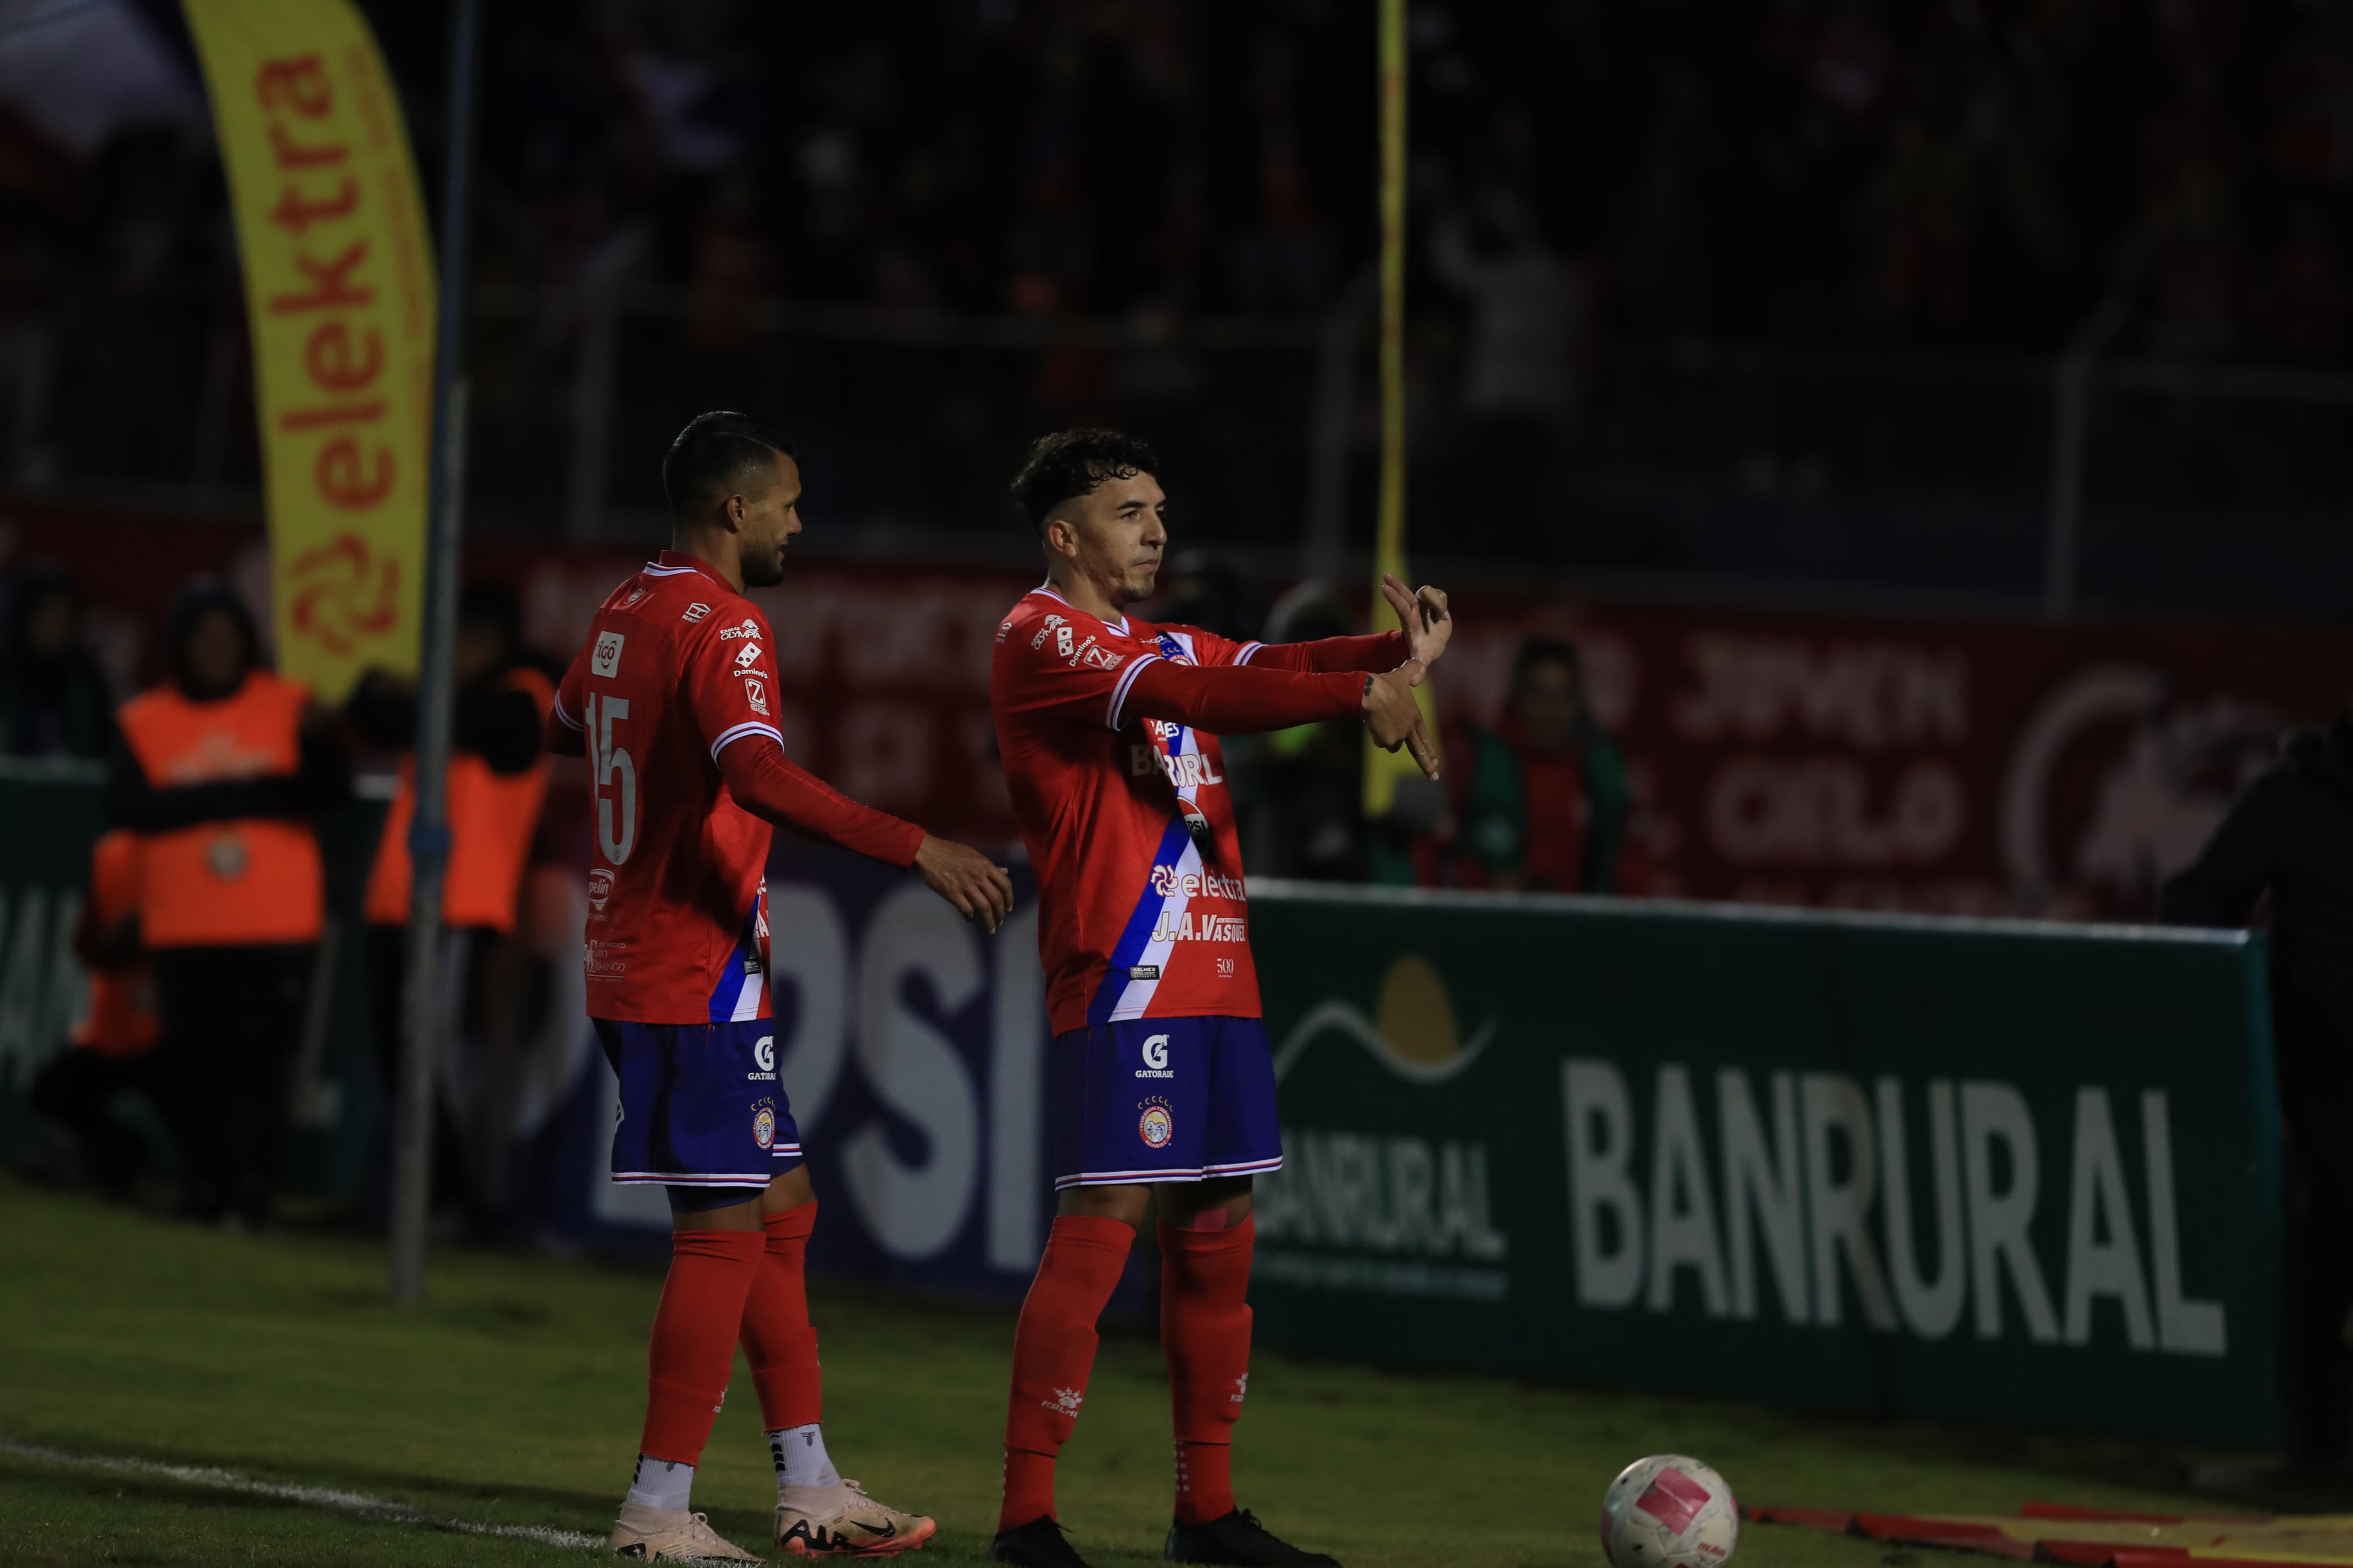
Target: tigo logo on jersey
{"points": [[1157, 1126], [1155, 1058], [764, 1125], [607, 660]]}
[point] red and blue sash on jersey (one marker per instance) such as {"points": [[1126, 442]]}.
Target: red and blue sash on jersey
{"points": [[1168, 740]]}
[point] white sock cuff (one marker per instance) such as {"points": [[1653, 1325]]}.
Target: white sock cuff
{"points": [[661, 1483], [800, 1456]]}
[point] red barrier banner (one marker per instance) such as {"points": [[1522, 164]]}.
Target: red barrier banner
{"points": [[1923, 763], [1935, 765]]}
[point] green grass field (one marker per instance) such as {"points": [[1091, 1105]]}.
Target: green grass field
{"points": [[513, 1398]]}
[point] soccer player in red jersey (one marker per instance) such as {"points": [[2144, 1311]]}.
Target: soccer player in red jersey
{"points": [[1159, 1078], [672, 700]]}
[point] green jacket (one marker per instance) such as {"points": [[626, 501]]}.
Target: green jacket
{"points": [[1496, 809]]}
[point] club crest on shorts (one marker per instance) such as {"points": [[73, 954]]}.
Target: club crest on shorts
{"points": [[1157, 1126], [764, 1124]]}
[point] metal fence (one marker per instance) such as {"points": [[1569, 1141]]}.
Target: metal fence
{"points": [[2075, 483]]}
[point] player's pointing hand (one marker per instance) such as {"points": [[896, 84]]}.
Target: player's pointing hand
{"points": [[965, 877], [1423, 615], [1395, 718]]}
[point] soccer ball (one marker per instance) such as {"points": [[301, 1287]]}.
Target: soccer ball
{"points": [[1669, 1511]]}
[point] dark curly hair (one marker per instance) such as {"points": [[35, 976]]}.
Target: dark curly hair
{"points": [[713, 454], [1073, 462]]}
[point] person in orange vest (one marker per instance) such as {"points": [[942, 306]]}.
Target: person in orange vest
{"points": [[112, 1050], [498, 779], [222, 771]]}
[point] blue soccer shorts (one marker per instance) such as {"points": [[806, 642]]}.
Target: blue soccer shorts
{"points": [[700, 1106], [1161, 1099]]}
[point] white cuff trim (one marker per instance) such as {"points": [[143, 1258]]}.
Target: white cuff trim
{"points": [[1119, 692], [566, 719], [739, 731], [1248, 649]]}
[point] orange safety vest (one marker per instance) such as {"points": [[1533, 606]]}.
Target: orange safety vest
{"points": [[492, 818], [121, 1019], [225, 884]]}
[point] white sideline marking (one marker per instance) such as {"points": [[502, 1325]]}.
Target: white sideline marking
{"points": [[358, 1503]]}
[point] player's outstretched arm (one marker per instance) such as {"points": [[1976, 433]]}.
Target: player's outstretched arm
{"points": [[1427, 624], [770, 786]]}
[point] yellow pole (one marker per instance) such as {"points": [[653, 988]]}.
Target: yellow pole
{"points": [[1383, 769]]}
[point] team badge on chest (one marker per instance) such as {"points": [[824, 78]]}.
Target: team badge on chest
{"points": [[1155, 1127]]}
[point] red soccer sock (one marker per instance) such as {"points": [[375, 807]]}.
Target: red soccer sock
{"points": [[779, 1342], [1053, 1352], [693, 1346], [1204, 1327]]}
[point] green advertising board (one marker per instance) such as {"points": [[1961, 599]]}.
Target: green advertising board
{"points": [[49, 819], [2009, 1170]]}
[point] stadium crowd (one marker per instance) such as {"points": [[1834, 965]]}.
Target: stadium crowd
{"points": [[1981, 174]]}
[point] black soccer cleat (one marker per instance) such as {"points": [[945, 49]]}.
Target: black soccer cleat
{"points": [[1238, 1538], [1036, 1544]]}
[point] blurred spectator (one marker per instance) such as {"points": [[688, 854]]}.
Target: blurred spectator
{"points": [[1544, 802], [1311, 817], [497, 782], [113, 1051], [1519, 387], [222, 770], [2289, 838], [54, 697], [1203, 589]]}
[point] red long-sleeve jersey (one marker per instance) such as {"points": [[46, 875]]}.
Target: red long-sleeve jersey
{"points": [[1101, 726]]}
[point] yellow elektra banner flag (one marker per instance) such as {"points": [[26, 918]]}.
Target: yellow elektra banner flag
{"points": [[340, 295]]}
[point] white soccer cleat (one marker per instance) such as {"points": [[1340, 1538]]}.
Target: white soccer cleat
{"points": [[843, 1521], [672, 1535]]}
